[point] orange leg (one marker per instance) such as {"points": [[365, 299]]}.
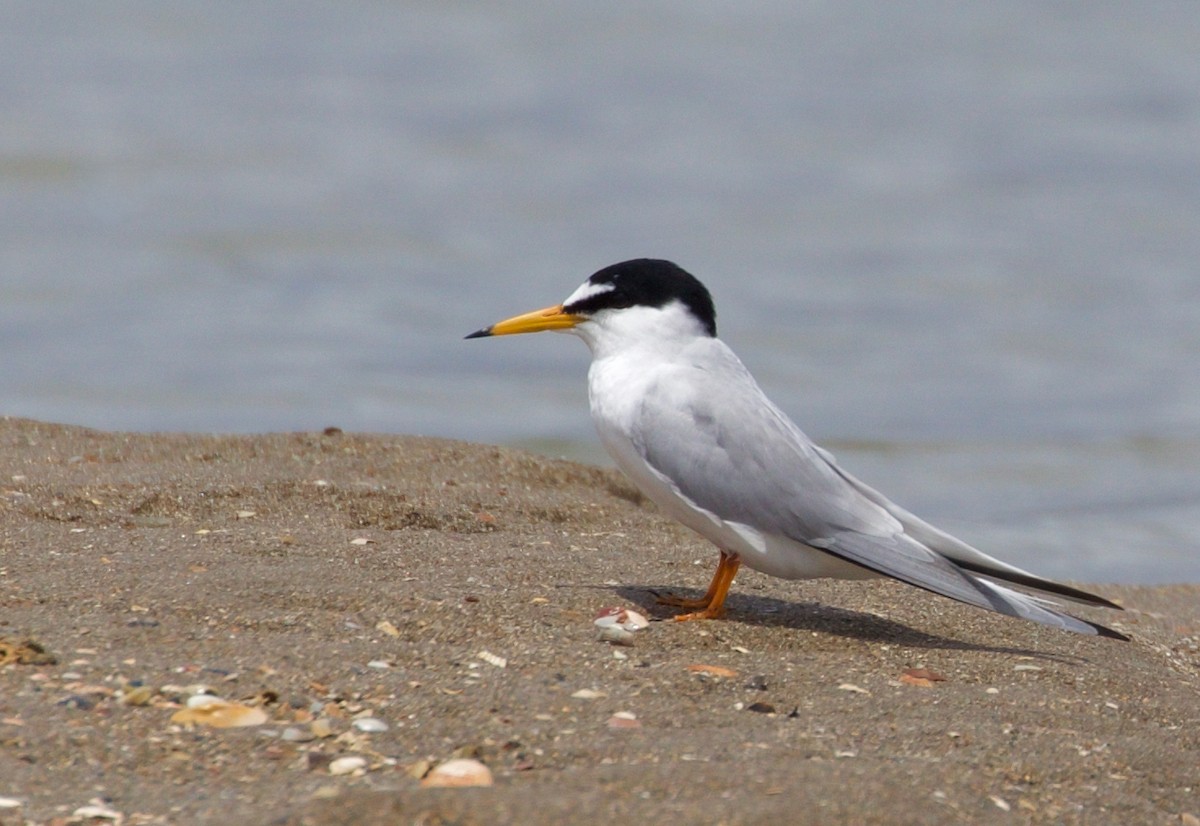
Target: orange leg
{"points": [[712, 604]]}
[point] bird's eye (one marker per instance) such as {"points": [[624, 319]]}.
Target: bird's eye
{"points": [[619, 302]]}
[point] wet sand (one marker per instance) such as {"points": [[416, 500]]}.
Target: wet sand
{"points": [[327, 577]]}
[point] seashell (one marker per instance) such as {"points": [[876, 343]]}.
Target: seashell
{"points": [[459, 772], [207, 710], [624, 719], [620, 617], [616, 635]]}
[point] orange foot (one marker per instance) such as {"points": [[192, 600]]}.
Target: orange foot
{"points": [[712, 604]]}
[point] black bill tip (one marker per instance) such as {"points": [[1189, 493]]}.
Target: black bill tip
{"points": [[484, 333]]}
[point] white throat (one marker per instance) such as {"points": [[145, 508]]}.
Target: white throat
{"points": [[653, 331]]}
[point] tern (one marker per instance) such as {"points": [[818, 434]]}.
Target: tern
{"points": [[687, 423]]}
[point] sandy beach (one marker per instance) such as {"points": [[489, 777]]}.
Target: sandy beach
{"points": [[446, 591]]}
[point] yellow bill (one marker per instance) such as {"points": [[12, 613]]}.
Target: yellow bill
{"points": [[550, 318]]}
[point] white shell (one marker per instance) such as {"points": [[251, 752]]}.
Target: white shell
{"points": [[620, 617]]}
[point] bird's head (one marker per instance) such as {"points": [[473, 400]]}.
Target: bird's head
{"points": [[641, 299]]}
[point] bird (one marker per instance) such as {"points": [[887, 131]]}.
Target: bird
{"points": [[684, 419]]}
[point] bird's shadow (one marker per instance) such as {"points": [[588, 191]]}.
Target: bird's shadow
{"points": [[828, 619]]}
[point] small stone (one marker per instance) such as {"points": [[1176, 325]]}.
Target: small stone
{"points": [[295, 734], [370, 725], [347, 765], [381, 665], [419, 769], [138, 696], [459, 772], [758, 682], [321, 727], [318, 760], [10, 803], [588, 694], [387, 628], [78, 702]]}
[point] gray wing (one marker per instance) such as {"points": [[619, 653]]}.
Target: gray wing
{"points": [[707, 427]]}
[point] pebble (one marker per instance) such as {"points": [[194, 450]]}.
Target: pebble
{"points": [[292, 734], [10, 803], [138, 696], [347, 765], [371, 725], [77, 701], [321, 727]]}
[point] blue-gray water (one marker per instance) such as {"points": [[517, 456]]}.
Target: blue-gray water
{"points": [[959, 243]]}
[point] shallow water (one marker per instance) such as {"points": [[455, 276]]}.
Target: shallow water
{"points": [[958, 246]]}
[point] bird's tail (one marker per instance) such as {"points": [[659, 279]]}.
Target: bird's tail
{"points": [[1016, 604], [904, 558]]}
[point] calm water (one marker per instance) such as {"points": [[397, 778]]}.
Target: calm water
{"points": [[959, 245]]}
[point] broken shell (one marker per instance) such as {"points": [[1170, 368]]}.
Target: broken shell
{"points": [[347, 765], [207, 710], [97, 809], [624, 719], [493, 659], [712, 670], [459, 772], [616, 635], [625, 618]]}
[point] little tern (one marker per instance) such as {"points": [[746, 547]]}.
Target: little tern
{"points": [[687, 423]]}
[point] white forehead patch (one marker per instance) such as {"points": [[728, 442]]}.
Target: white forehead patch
{"points": [[587, 289]]}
